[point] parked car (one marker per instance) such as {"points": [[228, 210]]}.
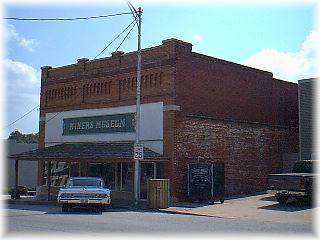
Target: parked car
{"points": [[84, 191], [298, 184]]}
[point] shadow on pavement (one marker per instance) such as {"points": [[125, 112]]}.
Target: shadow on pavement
{"points": [[291, 206], [193, 204], [239, 197], [41, 208], [47, 209]]}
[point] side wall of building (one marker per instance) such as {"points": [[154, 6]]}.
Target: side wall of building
{"points": [[27, 172], [224, 90], [245, 118], [306, 112], [250, 152]]}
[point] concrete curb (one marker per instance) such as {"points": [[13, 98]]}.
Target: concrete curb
{"points": [[190, 213], [31, 202], [130, 208], [55, 203]]}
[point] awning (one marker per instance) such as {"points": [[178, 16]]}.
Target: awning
{"points": [[95, 152]]}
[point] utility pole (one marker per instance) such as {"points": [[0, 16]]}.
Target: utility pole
{"points": [[137, 139]]}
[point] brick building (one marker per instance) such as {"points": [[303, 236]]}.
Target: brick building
{"points": [[196, 111], [306, 93]]}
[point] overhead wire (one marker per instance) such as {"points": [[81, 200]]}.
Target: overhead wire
{"points": [[66, 19], [52, 117], [113, 40], [125, 38], [133, 11], [24, 115], [72, 19], [101, 52]]}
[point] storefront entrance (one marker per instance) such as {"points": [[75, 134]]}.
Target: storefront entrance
{"points": [[117, 176], [149, 171]]}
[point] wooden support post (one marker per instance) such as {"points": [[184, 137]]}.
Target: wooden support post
{"points": [[121, 176], [69, 169], [84, 168], [116, 177], [16, 194], [154, 170], [79, 169], [40, 180], [49, 179]]}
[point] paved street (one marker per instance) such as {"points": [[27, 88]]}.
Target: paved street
{"points": [[35, 218]]}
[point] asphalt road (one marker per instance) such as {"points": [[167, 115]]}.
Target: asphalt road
{"points": [[43, 219]]}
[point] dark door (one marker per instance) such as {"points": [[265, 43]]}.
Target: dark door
{"points": [[206, 181], [218, 180], [200, 181]]}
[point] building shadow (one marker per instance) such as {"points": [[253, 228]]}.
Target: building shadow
{"points": [[49, 209], [290, 206], [195, 204]]}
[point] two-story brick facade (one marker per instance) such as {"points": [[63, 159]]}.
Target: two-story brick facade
{"points": [[196, 109]]}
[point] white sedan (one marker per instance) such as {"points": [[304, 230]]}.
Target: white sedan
{"points": [[84, 191]]}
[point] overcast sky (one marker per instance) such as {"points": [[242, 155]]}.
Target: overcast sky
{"points": [[277, 38]]}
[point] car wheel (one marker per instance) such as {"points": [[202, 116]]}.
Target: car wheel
{"points": [[103, 208], [97, 209], [221, 200], [64, 208], [282, 199]]}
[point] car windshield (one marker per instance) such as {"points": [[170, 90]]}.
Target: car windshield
{"points": [[85, 182]]}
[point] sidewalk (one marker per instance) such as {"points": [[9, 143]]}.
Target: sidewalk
{"points": [[259, 207], [29, 200]]}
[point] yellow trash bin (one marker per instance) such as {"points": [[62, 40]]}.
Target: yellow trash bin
{"points": [[158, 193]]}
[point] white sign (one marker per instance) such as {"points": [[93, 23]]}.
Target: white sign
{"points": [[138, 151]]}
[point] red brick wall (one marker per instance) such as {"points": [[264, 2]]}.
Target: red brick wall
{"points": [[250, 152], [284, 100], [225, 90]]}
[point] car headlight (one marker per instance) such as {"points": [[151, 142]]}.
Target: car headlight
{"points": [[103, 195], [65, 195], [62, 195]]}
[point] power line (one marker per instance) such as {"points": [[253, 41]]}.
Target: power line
{"points": [[52, 117], [114, 39], [66, 19], [102, 52], [125, 37], [133, 11], [72, 19], [24, 115]]}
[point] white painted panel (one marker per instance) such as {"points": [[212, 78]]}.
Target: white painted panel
{"points": [[151, 126]]}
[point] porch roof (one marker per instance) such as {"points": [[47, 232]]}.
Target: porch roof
{"points": [[86, 151]]}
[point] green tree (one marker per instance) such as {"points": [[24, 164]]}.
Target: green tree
{"points": [[24, 138]]}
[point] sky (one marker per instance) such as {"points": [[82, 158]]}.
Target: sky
{"points": [[282, 39]]}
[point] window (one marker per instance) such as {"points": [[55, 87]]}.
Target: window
{"points": [[160, 79], [94, 88], [151, 80], [90, 89], [109, 87], [98, 88]]}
